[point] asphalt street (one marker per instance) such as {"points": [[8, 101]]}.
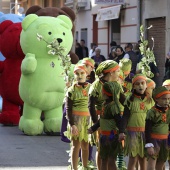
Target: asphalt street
{"points": [[18, 151], [21, 152]]}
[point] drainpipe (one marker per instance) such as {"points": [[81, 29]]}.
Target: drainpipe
{"points": [[167, 48], [138, 18]]}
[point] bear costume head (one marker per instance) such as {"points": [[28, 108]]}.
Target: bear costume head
{"points": [[54, 12]]}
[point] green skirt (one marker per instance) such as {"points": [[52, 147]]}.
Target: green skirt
{"points": [[134, 144], [110, 147], [83, 123]]}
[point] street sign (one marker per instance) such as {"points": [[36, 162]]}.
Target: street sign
{"points": [[110, 2]]}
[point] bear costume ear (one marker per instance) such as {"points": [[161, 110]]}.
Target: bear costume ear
{"points": [[28, 20], [69, 12], [33, 10], [67, 22], [4, 25]]}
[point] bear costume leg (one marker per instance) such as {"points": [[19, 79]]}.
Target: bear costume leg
{"points": [[10, 114], [30, 122], [52, 121]]}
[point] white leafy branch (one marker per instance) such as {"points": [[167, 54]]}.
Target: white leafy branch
{"points": [[148, 55], [57, 50]]}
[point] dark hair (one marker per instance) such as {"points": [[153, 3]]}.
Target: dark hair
{"points": [[129, 45], [119, 48], [113, 43], [83, 40]]}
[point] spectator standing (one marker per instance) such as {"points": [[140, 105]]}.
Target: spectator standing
{"points": [[92, 50], [120, 53], [130, 54], [79, 51], [98, 58], [85, 50], [113, 46], [167, 67]]}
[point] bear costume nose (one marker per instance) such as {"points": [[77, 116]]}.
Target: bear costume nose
{"points": [[59, 40]]}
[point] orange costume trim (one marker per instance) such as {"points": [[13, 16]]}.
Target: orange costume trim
{"points": [[111, 69], [162, 93], [137, 78], [107, 133], [81, 113], [151, 84], [158, 136], [88, 63], [79, 68], [136, 129]]}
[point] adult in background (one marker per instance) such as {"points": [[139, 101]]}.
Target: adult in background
{"points": [[85, 50], [92, 50], [98, 58], [120, 53], [130, 54], [113, 46], [167, 67], [78, 51]]}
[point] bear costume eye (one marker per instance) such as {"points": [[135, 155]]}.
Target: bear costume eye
{"points": [[49, 33], [64, 33]]}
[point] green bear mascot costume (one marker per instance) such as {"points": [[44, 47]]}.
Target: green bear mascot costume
{"points": [[43, 40]]}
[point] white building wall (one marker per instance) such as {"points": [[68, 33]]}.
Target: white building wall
{"points": [[84, 20]]}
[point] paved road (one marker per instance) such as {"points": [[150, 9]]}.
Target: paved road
{"points": [[33, 152], [21, 152]]}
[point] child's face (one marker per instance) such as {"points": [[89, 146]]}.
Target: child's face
{"points": [[140, 86], [168, 87], [164, 100], [89, 69], [115, 75], [120, 81], [80, 76]]}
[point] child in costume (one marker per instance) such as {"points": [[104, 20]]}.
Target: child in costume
{"points": [[78, 116], [96, 99], [150, 86], [89, 63], [138, 103], [110, 119], [126, 65], [157, 129]]}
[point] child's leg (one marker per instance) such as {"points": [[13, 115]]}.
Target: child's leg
{"points": [[85, 152], [159, 165], [112, 163], [90, 158], [142, 162], [98, 160], [132, 162], [75, 153], [64, 126], [104, 164], [151, 164]]}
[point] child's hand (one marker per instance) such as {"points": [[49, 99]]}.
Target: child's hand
{"points": [[121, 137], [74, 130], [89, 131], [151, 151]]}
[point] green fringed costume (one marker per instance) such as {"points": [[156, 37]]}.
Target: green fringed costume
{"points": [[159, 122], [80, 112], [136, 124], [110, 118]]}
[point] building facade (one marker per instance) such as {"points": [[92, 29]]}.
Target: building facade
{"points": [[101, 22]]}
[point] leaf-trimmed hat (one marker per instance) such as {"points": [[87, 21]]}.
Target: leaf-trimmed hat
{"points": [[80, 67], [166, 82], [88, 61], [125, 65], [106, 67], [160, 91], [150, 82], [137, 77]]}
